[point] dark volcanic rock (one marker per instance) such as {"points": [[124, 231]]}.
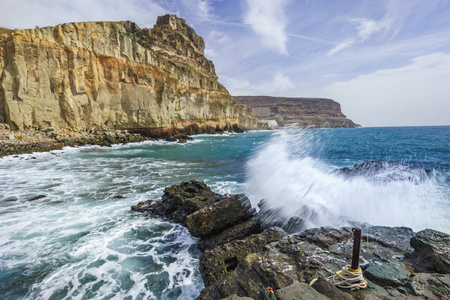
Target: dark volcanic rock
{"points": [[299, 291], [330, 290], [269, 217], [220, 215], [238, 231], [37, 197], [391, 237], [142, 206], [243, 255], [385, 171], [236, 297], [181, 200], [433, 246], [216, 263], [386, 274]]}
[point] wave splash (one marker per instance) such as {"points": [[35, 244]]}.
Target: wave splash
{"points": [[287, 173]]}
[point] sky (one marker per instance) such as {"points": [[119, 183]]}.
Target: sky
{"points": [[387, 62]]}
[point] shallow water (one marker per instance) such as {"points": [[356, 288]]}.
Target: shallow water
{"points": [[81, 241]]}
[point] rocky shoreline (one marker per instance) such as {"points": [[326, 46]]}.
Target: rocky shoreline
{"points": [[23, 142], [247, 256], [13, 142]]}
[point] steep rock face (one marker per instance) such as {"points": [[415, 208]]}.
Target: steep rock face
{"points": [[113, 75], [306, 112]]}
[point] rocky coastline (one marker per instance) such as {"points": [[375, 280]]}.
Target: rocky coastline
{"points": [[14, 142], [245, 255], [275, 112], [29, 141]]}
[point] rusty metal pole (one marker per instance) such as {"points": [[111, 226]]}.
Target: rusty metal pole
{"points": [[356, 247]]}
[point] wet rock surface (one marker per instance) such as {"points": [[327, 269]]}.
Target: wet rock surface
{"points": [[181, 200], [218, 216], [244, 256], [381, 170], [434, 246]]}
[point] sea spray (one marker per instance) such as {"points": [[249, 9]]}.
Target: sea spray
{"points": [[293, 174], [82, 241]]}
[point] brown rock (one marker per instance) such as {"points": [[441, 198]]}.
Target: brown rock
{"points": [[113, 75], [306, 112]]}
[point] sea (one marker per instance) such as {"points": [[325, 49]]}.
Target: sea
{"points": [[80, 240]]}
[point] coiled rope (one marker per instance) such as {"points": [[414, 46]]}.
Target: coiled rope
{"points": [[348, 278]]}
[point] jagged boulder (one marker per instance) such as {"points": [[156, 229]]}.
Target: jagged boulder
{"points": [[229, 234], [181, 200], [219, 266], [220, 215], [433, 246], [387, 274]]}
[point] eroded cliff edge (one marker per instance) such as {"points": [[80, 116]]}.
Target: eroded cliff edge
{"points": [[114, 75], [303, 112]]}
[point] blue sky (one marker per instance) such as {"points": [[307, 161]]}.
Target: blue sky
{"points": [[386, 62]]}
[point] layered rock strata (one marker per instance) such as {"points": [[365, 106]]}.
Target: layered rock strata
{"points": [[303, 112], [115, 76], [243, 258]]}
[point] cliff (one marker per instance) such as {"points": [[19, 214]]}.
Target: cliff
{"points": [[305, 112], [114, 75]]}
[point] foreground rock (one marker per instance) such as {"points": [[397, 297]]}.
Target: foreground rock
{"points": [[244, 256], [434, 246]]}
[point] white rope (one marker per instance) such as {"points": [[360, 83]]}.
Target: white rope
{"points": [[348, 279]]}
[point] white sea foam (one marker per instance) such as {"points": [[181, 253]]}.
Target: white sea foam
{"points": [[284, 173], [80, 241]]}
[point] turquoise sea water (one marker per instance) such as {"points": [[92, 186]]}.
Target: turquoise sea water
{"points": [[81, 241]]}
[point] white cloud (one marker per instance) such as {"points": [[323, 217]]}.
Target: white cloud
{"points": [[367, 27], [266, 17], [341, 46], [280, 83], [210, 53], [364, 29], [278, 86], [416, 94], [201, 10], [218, 37]]}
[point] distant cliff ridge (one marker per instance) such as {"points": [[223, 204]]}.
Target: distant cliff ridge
{"points": [[114, 75], [304, 112]]}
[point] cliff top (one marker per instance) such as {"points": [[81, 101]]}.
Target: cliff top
{"points": [[170, 37], [5, 30], [164, 30], [268, 100]]}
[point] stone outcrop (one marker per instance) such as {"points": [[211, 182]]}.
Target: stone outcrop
{"points": [[247, 260], [434, 246], [115, 76], [303, 112], [386, 171]]}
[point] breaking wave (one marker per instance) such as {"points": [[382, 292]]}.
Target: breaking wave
{"points": [[295, 178]]}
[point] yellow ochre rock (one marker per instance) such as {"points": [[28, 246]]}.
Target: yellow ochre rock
{"points": [[113, 75]]}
